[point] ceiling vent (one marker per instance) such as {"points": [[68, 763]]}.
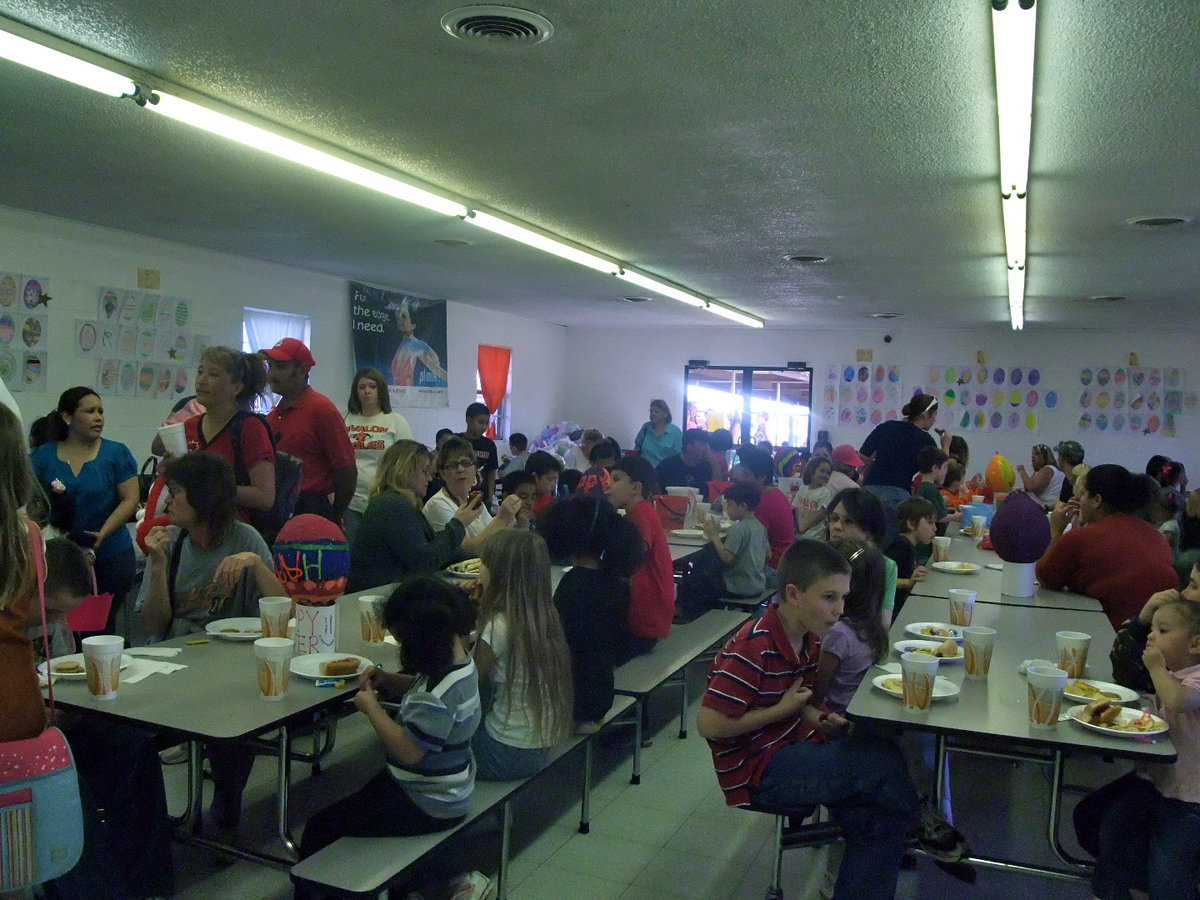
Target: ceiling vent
{"points": [[1152, 223], [806, 259], [636, 299], [886, 315], [503, 26]]}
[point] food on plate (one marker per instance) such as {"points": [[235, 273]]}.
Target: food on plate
{"points": [[1101, 712], [70, 667], [231, 631], [1083, 689], [466, 567], [893, 684], [347, 666], [960, 566], [937, 631], [948, 649]]}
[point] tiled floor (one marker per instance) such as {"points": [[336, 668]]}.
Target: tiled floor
{"points": [[670, 837]]}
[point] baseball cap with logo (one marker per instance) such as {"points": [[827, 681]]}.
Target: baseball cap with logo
{"points": [[847, 455], [291, 350]]}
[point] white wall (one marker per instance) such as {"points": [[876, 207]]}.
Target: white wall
{"points": [[77, 260], [630, 366]]}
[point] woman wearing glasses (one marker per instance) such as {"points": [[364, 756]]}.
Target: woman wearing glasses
{"points": [[456, 466]]}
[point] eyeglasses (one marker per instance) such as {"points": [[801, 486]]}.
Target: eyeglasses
{"points": [[460, 464]]}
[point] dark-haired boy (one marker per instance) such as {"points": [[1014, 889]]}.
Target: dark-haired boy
{"points": [[769, 745], [545, 468], [933, 465], [917, 529], [737, 568], [689, 468], [487, 460]]}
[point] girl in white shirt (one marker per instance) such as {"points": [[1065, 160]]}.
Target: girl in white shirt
{"points": [[372, 427], [522, 655]]}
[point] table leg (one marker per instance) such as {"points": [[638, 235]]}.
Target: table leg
{"points": [[939, 774], [194, 817], [636, 777], [585, 803], [284, 742], [1052, 824], [505, 838]]}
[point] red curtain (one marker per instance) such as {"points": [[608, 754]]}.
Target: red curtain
{"points": [[494, 364]]}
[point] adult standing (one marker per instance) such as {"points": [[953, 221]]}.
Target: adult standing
{"points": [[1045, 483], [891, 452], [93, 488], [372, 427], [309, 427], [1070, 458], [658, 438], [1110, 553], [690, 467]]}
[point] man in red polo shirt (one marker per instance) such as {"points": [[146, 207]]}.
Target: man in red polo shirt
{"points": [[308, 426]]}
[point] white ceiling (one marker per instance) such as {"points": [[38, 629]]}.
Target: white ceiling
{"points": [[700, 140]]}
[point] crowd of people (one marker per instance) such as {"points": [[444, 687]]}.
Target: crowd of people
{"points": [[831, 539]]}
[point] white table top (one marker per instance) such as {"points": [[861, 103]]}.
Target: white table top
{"points": [[986, 582], [996, 707]]}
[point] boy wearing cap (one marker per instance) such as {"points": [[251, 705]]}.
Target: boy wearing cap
{"points": [[690, 468], [846, 463], [308, 426]]}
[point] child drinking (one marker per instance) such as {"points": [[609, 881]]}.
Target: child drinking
{"points": [[522, 653], [427, 782], [604, 550], [859, 639], [1148, 834], [916, 517]]}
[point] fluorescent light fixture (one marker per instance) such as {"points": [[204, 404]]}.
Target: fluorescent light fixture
{"points": [[1013, 31], [61, 65], [242, 132], [541, 242], [661, 287], [1016, 297], [1015, 211], [735, 315]]}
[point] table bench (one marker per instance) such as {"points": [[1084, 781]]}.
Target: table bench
{"points": [[366, 866]]}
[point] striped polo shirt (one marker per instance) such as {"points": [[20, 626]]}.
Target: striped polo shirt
{"points": [[442, 720], [754, 670]]}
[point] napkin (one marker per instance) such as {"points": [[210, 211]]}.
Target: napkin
{"points": [[890, 668], [146, 667], [154, 651]]}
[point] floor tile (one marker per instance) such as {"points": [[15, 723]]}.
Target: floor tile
{"points": [[549, 883], [610, 857]]}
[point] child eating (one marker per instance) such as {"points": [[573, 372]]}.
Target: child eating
{"points": [[916, 516]]}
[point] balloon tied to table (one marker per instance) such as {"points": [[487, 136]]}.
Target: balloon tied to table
{"points": [[312, 561]]}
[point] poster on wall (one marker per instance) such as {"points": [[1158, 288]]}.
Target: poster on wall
{"points": [[404, 337], [862, 394], [989, 398], [1133, 400]]}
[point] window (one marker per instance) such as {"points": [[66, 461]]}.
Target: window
{"points": [[264, 328], [502, 418], [756, 404]]}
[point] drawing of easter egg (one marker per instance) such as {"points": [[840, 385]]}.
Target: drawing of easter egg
{"points": [[860, 416], [108, 375], [1085, 399], [981, 420], [1118, 422], [128, 376], [997, 419], [1102, 421], [1014, 421], [31, 332], [1136, 422], [146, 343], [8, 365], [880, 373], [998, 398], [981, 376], [109, 303], [7, 329], [1138, 401], [1034, 377], [1016, 375], [1119, 376], [146, 379], [846, 416], [1152, 424], [830, 394], [1014, 398], [1103, 377], [1051, 399], [1102, 402], [179, 350], [952, 375], [181, 381], [182, 312], [949, 397], [1085, 421], [87, 336], [848, 373], [1085, 377], [998, 376], [166, 313], [1031, 421], [1155, 378], [1031, 399], [965, 421], [877, 396], [33, 369], [1153, 401], [32, 293], [146, 313], [892, 415], [894, 374], [847, 394], [8, 290], [164, 381], [863, 373], [934, 374], [861, 394], [1118, 400], [1189, 401], [877, 417], [981, 399]]}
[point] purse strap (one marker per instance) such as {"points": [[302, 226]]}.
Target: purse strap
{"points": [[37, 551]]}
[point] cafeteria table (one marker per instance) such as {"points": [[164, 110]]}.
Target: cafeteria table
{"points": [[986, 582], [216, 698], [989, 717]]}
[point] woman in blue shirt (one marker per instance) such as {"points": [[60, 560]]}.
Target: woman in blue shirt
{"points": [[658, 438], [92, 486]]}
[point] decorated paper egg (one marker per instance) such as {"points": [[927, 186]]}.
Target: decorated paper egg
{"points": [[312, 560], [1000, 474]]}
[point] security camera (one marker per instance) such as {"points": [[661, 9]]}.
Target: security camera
{"points": [[887, 338]]}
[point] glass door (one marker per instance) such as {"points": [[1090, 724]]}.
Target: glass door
{"points": [[755, 404]]}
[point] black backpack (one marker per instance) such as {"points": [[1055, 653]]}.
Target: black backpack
{"points": [[287, 478]]}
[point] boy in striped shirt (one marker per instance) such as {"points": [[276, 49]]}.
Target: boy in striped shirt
{"points": [[774, 751]]}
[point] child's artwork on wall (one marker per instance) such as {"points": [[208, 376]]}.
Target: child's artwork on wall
{"points": [[989, 398], [24, 331], [862, 394], [1133, 400], [150, 332]]}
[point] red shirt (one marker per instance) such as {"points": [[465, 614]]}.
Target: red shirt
{"points": [[652, 589], [775, 512], [754, 670], [1120, 560], [541, 502], [256, 445], [311, 429]]}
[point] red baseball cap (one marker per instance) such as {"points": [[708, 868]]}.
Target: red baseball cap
{"points": [[847, 455], [291, 350]]}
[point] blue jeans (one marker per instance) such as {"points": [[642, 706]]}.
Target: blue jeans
{"points": [[891, 497], [495, 761], [1148, 842], [864, 784]]}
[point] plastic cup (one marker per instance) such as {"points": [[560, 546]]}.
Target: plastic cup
{"points": [[702, 511], [370, 609], [102, 663], [941, 549], [977, 498], [977, 648], [962, 606], [274, 613], [273, 656], [978, 523], [173, 438], [918, 671], [1072, 651], [1045, 690]]}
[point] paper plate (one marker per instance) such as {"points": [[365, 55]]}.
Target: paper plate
{"points": [[1075, 714], [915, 646], [1123, 694], [942, 687], [126, 659], [309, 664], [956, 568], [693, 534], [917, 630], [458, 569], [241, 628]]}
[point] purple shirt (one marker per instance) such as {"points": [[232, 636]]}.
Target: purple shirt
{"points": [[856, 657]]}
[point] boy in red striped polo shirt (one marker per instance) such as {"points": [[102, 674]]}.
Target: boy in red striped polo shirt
{"points": [[774, 751]]}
